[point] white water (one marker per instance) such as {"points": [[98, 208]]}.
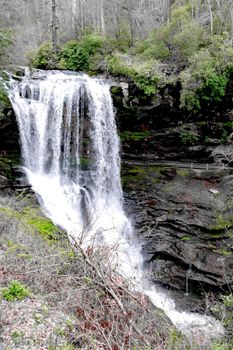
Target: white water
{"points": [[70, 150]]}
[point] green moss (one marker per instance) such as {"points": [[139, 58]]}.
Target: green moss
{"points": [[7, 166], [214, 235], [222, 223], [185, 238], [175, 339], [134, 135], [223, 252], [15, 291], [85, 161], [44, 226], [189, 137], [137, 170], [182, 172], [228, 300], [31, 217], [156, 169]]}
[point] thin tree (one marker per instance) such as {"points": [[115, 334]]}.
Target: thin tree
{"points": [[54, 27]]}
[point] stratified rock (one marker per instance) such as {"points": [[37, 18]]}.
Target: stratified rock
{"points": [[186, 230]]}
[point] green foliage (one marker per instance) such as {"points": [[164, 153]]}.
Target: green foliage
{"points": [[44, 58], [93, 44], [43, 225], [221, 347], [188, 40], [134, 135], [228, 300], [4, 100], [16, 334], [123, 39], [146, 83], [189, 136], [175, 340], [5, 42], [74, 57], [142, 75], [222, 223], [177, 40], [206, 78], [15, 291]]}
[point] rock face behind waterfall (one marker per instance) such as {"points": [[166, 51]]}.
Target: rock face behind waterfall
{"points": [[185, 219]]}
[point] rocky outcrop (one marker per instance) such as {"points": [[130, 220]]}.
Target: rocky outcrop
{"points": [[156, 128], [184, 219]]}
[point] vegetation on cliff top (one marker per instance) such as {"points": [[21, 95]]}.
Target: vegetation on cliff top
{"points": [[185, 50]]}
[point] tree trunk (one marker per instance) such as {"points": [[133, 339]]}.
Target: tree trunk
{"points": [[211, 16], [54, 27], [102, 17]]}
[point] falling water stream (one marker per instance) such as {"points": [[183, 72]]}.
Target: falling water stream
{"points": [[70, 151]]}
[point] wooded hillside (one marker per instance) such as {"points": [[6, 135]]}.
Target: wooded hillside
{"points": [[31, 21]]}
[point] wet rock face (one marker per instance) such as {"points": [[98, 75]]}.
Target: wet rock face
{"points": [[184, 219], [9, 134], [156, 128]]}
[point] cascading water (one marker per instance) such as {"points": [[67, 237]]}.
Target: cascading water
{"points": [[70, 150]]}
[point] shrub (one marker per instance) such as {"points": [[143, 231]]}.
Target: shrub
{"points": [[4, 100], [93, 44], [123, 39], [142, 75], [178, 39], [205, 80], [5, 42], [188, 40], [43, 225], [15, 291], [44, 58], [74, 57], [188, 136]]}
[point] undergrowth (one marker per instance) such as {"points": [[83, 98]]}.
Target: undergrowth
{"points": [[15, 291], [98, 308]]}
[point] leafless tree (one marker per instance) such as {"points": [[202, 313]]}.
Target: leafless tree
{"points": [[223, 155], [54, 26]]}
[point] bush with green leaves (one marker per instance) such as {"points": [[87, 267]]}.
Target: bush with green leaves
{"points": [[15, 291], [4, 100], [93, 44], [206, 78], [177, 40], [5, 42], [123, 38], [44, 57], [142, 74], [74, 57], [189, 136]]}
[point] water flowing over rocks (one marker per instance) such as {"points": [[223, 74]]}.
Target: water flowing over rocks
{"points": [[70, 150]]}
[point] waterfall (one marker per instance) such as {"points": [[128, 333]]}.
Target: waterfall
{"points": [[70, 151]]}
